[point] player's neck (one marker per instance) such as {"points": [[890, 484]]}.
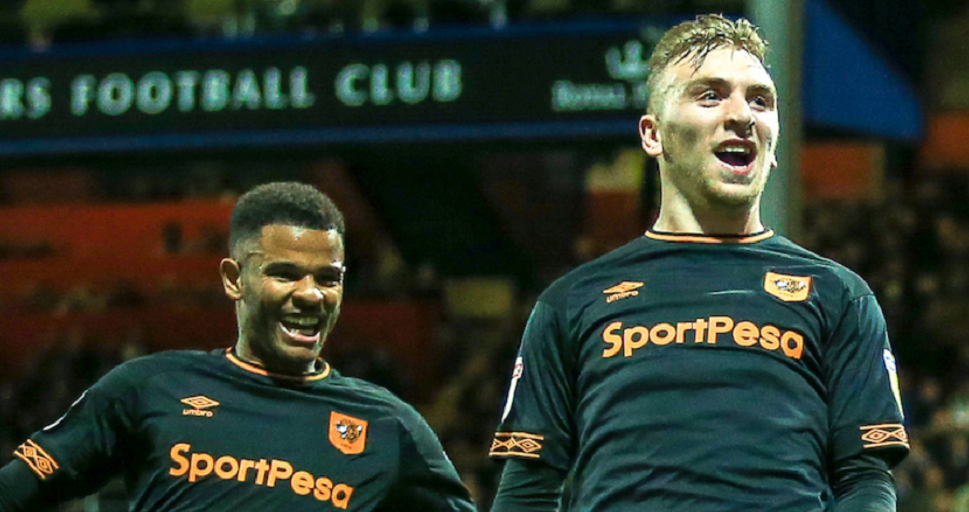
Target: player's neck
{"points": [[278, 365], [682, 217]]}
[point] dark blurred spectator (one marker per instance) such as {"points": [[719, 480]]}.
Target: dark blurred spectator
{"points": [[372, 365], [123, 20], [920, 406], [13, 31], [42, 297], [456, 12], [925, 494], [955, 460], [124, 293], [403, 14], [960, 499], [328, 17]]}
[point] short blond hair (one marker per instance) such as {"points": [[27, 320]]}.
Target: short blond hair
{"points": [[695, 39]]}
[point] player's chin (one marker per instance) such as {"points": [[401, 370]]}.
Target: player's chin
{"points": [[298, 350], [297, 360], [736, 195]]}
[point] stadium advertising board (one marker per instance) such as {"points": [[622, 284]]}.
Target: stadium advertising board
{"points": [[583, 80]]}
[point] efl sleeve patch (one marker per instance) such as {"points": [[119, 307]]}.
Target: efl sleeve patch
{"points": [[517, 444], [37, 459], [890, 434]]}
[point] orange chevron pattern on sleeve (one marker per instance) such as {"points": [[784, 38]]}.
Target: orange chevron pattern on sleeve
{"points": [[39, 461], [517, 444], [890, 434]]}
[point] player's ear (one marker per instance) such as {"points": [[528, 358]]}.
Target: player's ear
{"points": [[231, 272], [649, 134]]}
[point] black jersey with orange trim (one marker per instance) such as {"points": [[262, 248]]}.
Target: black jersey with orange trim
{"points": [[693, 373], [197, 431]]}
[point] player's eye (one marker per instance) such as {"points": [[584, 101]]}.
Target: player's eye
{"points": [[330, 278], [709, 96], [285, 275], [762, 102]]}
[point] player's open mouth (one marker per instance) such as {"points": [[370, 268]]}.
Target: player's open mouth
{"points": [[303, 329], [738, 155]]}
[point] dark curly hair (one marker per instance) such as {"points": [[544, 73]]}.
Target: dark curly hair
{"points": [[288, 203]]}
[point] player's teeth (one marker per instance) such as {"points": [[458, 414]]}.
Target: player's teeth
{"points": [[733, 149], [301, 321]]}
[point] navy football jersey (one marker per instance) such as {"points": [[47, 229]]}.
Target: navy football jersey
{"points": [[693, 373], [196, 431]]}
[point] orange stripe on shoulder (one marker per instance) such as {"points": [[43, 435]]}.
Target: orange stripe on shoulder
{"points": [[517, 444], [39, 461]]}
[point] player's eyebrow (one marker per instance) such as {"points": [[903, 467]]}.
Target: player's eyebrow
{"points": [[705, 82], [762, 89]]}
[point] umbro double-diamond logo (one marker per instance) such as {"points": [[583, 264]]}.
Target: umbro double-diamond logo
{"points": [[622, 290], [200, 405]]}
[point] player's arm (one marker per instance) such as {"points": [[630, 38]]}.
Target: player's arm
{"points": [[73, 457], [528, 487], [20, 489], [535, 434], [865, 410], [863, 484], [427, 481]]}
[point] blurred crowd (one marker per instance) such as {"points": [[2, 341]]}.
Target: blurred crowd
{"points": [[912, 245], [40, 23]]}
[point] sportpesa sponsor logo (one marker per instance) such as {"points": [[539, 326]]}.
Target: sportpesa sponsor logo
{"points": [[265, 472], [704, 330]]}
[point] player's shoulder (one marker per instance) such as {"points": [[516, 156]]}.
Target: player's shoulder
{"points": [[590, 273], [168, 360], [143, 370], [367, 395], [800, 259], [380, 404]]}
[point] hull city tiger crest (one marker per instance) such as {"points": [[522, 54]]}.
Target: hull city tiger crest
{"points": [[787, 288], [347, 434]]}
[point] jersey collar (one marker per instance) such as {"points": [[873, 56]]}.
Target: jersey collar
{"points": [[710, 239], [258, 370]]}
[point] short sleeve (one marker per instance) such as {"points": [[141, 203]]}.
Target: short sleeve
{"points": [[427, 479], [536, 420], [864, 403], [78, 453]]}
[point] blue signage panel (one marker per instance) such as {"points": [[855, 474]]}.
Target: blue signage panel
{"points": [[478, 83], [849, 86]]}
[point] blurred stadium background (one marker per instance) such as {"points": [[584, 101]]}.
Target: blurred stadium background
{"points": [[480, 148]]}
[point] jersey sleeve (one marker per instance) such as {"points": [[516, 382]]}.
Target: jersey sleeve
{"points": [[80, 452], [427, 479], [536, 421], [864, 403]]}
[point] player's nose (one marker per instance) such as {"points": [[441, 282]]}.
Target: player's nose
{"points": [[308, 293], [739, 116]]}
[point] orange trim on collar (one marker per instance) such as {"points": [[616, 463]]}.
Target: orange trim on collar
{"points": [[249, 367], [705, 239]]}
